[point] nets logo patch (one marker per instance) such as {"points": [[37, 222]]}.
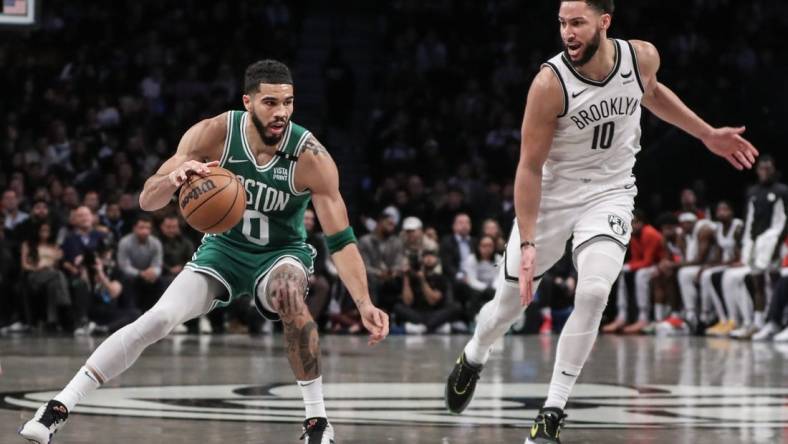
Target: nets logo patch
{"points": [[421, 404], [617, 225]]}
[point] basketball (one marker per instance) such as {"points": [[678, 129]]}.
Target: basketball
{"points": [[213, 203]]}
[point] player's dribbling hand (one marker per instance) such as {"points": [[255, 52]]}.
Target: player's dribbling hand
{"points": [[376, 321], [527, 264], [728, 143], [181, 174]]}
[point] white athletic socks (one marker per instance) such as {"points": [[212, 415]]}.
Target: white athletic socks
{"points": [[564, 378], [759, 319], [312, 391], [476, 354], [660, 312], [80, 386]]}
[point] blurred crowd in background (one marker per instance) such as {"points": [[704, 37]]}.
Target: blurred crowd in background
{"points": [[97, 100]]}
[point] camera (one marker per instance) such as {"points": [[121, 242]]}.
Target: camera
{"points": [[414, 262]]}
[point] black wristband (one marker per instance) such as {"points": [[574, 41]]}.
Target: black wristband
{"points": [[527, 243]]}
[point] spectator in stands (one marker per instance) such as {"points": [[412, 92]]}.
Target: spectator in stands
{"points": [[382, 252], [39, 214], [113, 221], [689, 204], [109, 308], [425, 304], [81, 241], [13, 215], [480, 272], [414, 240], [645, 251], [456, 247], [48, 289], [140, 258], [491, 228], [177, 249], [454, 205]]}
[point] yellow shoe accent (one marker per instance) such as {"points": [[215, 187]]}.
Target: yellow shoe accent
{"points": [[534, 430]]}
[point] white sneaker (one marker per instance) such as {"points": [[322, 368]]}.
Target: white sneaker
{"points": [[672, 326], [459, 327], [766, 332], [16, 327], [782, 336], [744, 332], [85, 330], [45, 423], [205, 326], [415, 329], [444, 329]]}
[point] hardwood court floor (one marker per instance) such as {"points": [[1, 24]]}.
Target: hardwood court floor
{"points": [[235, 389]]}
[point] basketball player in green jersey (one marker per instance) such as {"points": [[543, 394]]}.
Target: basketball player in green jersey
{"points": [[281, 166]]}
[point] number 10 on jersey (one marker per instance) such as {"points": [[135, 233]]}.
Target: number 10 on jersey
{"points": [[603, 136]]}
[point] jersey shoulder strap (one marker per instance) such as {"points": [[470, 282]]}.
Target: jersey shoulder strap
{"points": [[295, 137]]}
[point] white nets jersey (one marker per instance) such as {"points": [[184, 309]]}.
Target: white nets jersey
{"points": [[598, 132], [727, 241]]}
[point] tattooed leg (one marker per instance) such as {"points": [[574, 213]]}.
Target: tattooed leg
{"points": [[285, 291]]}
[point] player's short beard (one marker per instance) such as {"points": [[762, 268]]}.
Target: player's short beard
{"points": [[268, 140], [591, 48]]}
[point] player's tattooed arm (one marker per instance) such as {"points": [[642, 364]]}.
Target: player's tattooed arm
{"points": [[314, 146], [285, 292]]}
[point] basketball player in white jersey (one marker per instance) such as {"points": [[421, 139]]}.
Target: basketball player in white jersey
{"points": [[728, 237], [580, 134]]}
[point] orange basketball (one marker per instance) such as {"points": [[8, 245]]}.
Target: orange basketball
{"points": [[213, 203]]}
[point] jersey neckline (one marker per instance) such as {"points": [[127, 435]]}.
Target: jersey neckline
{"points": [[248, 149], [592, 82]]}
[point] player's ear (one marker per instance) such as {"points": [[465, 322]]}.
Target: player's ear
{"points": [[606, 20], [247, 102]]}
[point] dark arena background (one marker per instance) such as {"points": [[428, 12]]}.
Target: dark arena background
{"points": [[420, 105]]}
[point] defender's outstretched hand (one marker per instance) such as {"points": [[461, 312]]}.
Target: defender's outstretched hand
{"points": [[727, 142], [376, 321]]}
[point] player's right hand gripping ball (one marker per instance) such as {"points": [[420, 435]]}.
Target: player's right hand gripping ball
{"points": [[214, 203]]}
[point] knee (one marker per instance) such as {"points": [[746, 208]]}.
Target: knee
{"points": [[592, 293], [155, 324]]}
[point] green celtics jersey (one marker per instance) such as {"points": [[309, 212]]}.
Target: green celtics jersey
{"points": [[274, 215]]}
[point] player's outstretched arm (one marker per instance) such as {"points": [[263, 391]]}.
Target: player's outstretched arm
{"points": [[725, 142], [317, 172], [199, 149], [545, 104]]}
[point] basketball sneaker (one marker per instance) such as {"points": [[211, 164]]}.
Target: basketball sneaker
{"points": [[547, 427], [461, 384], [722, 328], [317, 431], [767, 332], [45, 423]]}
